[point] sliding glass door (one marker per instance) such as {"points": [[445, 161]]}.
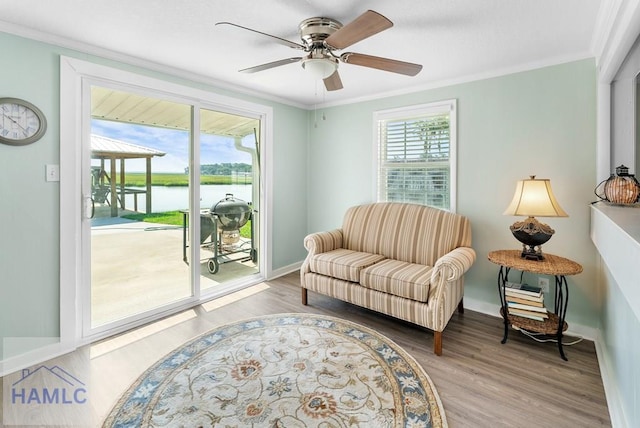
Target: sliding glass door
{"points": [[230, 197], [138, 147], [158, 232]]}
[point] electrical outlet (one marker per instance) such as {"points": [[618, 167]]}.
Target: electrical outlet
{"points": [[544, 284]]}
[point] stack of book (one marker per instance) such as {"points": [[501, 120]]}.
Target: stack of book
{"points": [[526, 301]]}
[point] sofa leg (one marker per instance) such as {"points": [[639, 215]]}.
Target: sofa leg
{"points": [[437, 343], [304, 296], [461, 306]]}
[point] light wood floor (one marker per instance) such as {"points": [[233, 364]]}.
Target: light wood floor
{"points": [[481, 382]]}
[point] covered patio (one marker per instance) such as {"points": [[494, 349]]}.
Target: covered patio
{"points": [[125, 107], [110, 187]]}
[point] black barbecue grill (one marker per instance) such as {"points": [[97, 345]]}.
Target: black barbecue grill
{"points": [[220, 232], [232, 213]]}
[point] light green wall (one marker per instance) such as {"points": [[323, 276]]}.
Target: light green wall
{"points": [[620, 328], [29, 218], [540, 122], [289, 187]]}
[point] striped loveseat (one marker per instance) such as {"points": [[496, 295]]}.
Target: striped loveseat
{"points": [[404, 260]]}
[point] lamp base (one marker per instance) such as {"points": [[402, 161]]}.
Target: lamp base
{"points": [[532, 234], [530, 252]]}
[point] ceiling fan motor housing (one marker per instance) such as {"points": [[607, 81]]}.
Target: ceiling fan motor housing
{"points": [[314, 31]]}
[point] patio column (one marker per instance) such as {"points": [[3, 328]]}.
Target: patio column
{"points": [[123, 196], [114, 193], [148, 198]]}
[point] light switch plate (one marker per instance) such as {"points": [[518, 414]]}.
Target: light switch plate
{"points": [[52, 172]]}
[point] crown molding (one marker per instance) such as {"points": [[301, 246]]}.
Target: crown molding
{"points": [[463, 79], [617, 28], [85, 48], [605, 15]]}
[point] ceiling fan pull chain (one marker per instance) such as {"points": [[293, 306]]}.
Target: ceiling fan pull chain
{"points": [[324, 96], [315, 106]]}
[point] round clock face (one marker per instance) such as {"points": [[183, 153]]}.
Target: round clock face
{"points": [[20, 122]]}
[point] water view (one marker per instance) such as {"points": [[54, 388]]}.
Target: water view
{"points": [[165, 198]]}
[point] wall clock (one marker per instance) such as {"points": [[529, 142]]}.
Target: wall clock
{"points": [[21, 122]]}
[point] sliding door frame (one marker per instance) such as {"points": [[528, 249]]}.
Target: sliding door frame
{"points": [[76, 79]]}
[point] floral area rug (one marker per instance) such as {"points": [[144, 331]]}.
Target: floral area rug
{"points": [[287, 370]]}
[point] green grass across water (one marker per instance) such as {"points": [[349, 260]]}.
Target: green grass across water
{"points": [[139, 179], [174, 218]]}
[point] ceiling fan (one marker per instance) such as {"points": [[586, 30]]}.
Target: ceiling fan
{"points": [[322, 36]]}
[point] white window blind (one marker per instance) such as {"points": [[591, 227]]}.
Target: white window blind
{"points": [[416, 152]]}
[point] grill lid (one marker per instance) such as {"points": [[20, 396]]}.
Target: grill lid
{"points": [[232, 213]]}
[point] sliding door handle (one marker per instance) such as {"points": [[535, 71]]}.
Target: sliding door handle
{"points": [[89, 207]]}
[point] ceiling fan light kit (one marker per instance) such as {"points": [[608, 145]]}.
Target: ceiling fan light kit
{"points": [[320, 68], [322, 36]]}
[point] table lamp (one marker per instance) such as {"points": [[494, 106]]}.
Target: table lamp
{"points": [[533, 198]]}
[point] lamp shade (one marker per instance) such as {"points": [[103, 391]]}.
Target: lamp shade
{"points": [[534, 198]]}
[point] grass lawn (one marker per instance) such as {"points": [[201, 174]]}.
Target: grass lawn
{"points": [[169, 217], [175, 218], [139, 179]]}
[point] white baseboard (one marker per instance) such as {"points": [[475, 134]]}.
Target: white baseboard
{"points": [[284, 270], [482, 307], [493, 309], [31, 358], [611, 389]]}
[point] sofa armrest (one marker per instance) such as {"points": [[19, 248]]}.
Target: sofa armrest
{"points": [[447, 284], [321, 242], [317, 243], [455, 263]]}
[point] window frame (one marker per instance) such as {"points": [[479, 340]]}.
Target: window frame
{"points": [[427, 109]]}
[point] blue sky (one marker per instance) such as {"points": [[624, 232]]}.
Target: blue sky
{"points": [[174, 143]]}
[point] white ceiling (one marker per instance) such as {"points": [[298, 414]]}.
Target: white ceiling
{"points": [[455, 40]]}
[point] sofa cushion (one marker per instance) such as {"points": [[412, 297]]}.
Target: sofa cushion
{"points": [[403, 279], [343, 264]]}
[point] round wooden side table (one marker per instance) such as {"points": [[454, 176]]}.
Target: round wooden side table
{"points": [[557, 266]]}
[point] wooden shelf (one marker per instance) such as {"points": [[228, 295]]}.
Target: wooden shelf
{"points": [[548, 326], [551, 265]]}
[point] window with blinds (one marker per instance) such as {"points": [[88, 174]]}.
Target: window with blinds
{"points": [[416, 155]]}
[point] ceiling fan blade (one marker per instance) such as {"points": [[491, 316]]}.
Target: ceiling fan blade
{"points": [[333, 82], [385, 64], [366, 25], [280, 40], [269, 65]]}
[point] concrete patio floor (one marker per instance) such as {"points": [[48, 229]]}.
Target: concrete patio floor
{"points": [[138, 266]]}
